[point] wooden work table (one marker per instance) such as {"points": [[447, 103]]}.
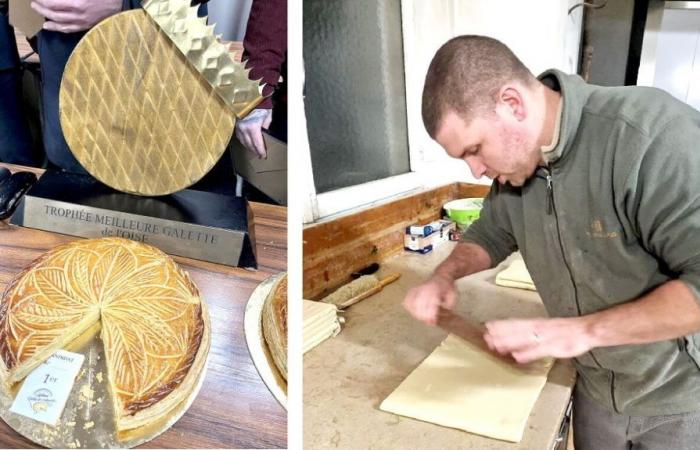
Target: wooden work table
{"points": [[348, 376], [234, 408]]}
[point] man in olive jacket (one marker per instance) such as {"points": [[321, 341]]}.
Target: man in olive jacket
{"points": [[599, 189]]}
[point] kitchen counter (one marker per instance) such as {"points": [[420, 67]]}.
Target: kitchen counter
{"points": [[347, 377]]}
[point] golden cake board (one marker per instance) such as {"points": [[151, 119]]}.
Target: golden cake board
{"points": [[259, 352], [134, 112], [89, 422]]}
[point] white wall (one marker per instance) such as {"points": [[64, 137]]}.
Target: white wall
{"points": [[677, 65]]}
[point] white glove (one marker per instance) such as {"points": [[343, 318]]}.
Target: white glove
{"points": [[69, 16], [249, 131]]}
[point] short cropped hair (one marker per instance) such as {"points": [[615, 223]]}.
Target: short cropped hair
{"points": [[465, 75]]}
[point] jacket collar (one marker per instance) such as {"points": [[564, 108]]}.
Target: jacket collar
{"points": [[574, 95]]}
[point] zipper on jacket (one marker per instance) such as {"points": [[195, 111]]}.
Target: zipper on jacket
{"points": [[552, 206], [544, 173], [552, 209]]}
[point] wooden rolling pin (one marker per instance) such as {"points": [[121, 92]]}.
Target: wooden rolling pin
{"points": [[359, 290]]}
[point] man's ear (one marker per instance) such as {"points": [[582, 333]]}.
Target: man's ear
{"points": [[510, 97]]}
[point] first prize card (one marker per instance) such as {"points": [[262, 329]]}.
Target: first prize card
{"points": [[45, 391]]}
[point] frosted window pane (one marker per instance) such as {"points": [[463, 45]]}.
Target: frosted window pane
{"points": [[355, 96]]}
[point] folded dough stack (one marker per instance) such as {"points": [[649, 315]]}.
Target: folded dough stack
{"points": [[516, 275], [320, 323]]}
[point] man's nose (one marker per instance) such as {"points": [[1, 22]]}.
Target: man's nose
{"points": [[477, 167]]}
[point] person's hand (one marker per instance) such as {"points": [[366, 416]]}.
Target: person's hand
{"points": [[527, 340], [424, 301], [249, 131], [69, 16]]}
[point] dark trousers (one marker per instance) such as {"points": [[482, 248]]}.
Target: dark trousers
{"points": [[15, 138], [54, 50], [596, 428], [16, 145]]}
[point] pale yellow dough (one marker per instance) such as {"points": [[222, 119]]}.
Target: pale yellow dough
{"points": [[460, 386], [516, 275]]}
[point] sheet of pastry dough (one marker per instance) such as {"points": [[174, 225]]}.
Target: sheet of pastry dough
{"points": [[460, 386], [516, 275]]}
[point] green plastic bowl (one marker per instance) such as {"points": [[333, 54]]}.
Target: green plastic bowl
{"points": [[464, 211]]}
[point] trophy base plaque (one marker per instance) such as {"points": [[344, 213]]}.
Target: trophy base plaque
{"points": [[200, 225]]}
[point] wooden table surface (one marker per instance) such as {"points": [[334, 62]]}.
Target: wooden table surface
{"points": [[234, 408]]}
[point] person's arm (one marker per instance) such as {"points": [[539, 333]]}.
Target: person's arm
{"points": [[265, 49], [466, 258], [424, 301], [487, 242], [265, 44], [668, 312], [69, 16]]}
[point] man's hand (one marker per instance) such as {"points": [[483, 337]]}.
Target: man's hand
{"points": [[69, 16], [423, 302], [531, 339], [249, 131]]}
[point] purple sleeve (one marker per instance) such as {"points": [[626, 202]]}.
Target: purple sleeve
{"points": [[265, 44]]}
